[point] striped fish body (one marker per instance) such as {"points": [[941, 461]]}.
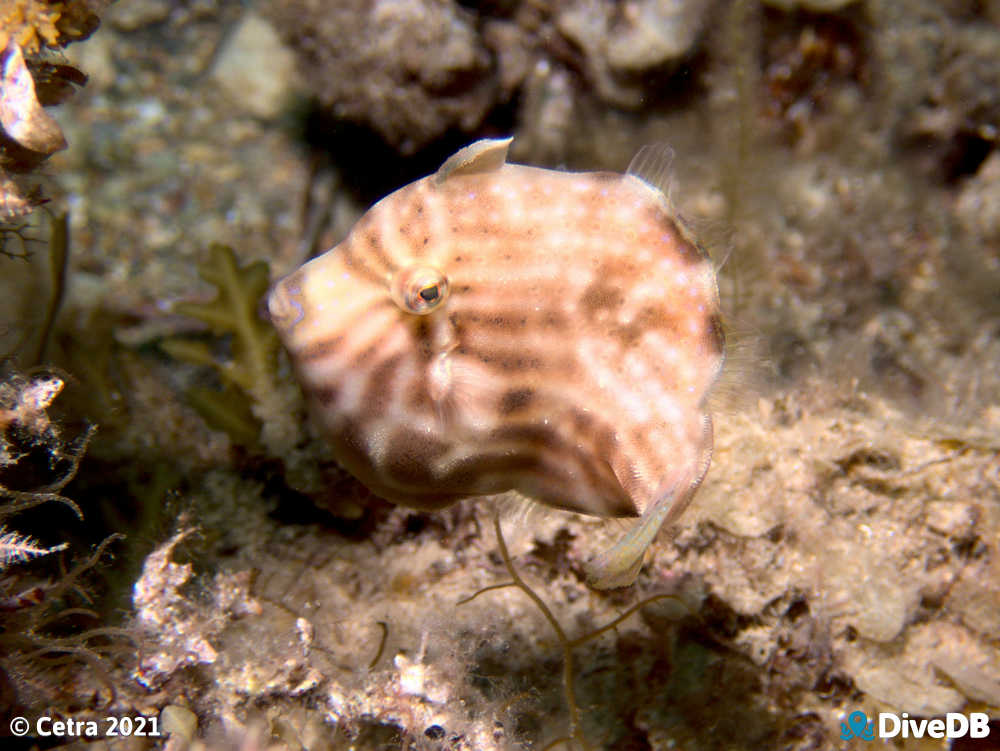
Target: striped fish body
{"points": [[500, 327]]}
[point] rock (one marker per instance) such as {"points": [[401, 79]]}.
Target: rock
{"points": [[548, 112], [978, 203], [955, 519], [136, 14], [941, 80], [877, 606], [512, 46], [817, 6], [971, 665], [180, 721], [975, 595], [410, 69], [255, 70], [654, 32], [621, 41], [902, 683]]}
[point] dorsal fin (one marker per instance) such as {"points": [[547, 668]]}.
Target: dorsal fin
{"points": [[652, 164], [486, 155]]}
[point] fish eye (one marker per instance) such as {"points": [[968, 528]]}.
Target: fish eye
{"points": [[419, 289]]}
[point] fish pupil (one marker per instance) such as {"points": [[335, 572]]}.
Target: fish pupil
{"points": [[419, 289]]}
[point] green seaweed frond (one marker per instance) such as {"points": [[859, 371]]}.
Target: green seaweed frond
{"points": [[250, 370], [234, 311]]}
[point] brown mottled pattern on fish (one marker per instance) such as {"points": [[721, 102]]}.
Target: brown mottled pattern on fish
{"points": [[569, 360]]}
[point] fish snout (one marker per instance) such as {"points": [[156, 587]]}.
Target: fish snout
{"points": [[285, 305]]}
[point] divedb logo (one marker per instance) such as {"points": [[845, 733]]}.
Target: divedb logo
{"points": [[892, 725]]}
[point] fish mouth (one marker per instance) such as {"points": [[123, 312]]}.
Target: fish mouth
{"points": [[284, 304]]}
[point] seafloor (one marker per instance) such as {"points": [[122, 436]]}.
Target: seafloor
{"points": [[840, 163]]}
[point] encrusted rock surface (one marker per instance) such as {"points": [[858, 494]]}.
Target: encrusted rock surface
{"points": [[411, 69], [621, 42], [843, 553]]}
